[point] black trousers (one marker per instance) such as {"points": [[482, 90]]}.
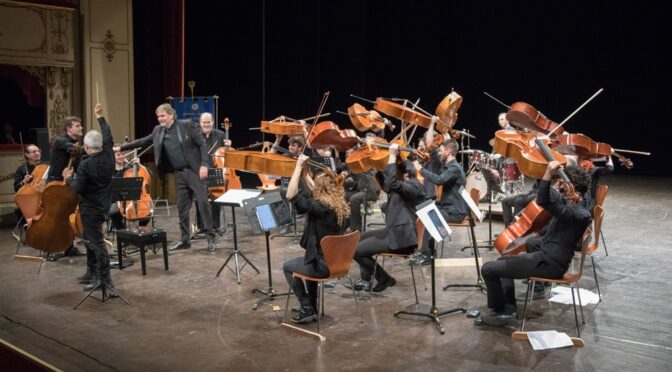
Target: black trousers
{"points": [[317, 269], [215, 211], [356, 199], [512, 205], [499, 275], [188, 186], [370, 244], [97, 258]]}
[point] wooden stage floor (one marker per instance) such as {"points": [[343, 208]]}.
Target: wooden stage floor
{"points": [[189, 319]]}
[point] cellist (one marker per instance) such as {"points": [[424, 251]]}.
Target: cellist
{"points": [[570, 220], [120, 167], [93, 184], [214, 138], [24, 173], [63, 147]]}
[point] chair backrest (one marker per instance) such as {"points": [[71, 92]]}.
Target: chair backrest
{"points": [[601, 194], [338, 252], [419, 231], [598, 216]]}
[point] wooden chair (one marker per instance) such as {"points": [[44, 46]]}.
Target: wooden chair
{"points": [[601, 194], [419, 231], [571, 279], [338, 252]]}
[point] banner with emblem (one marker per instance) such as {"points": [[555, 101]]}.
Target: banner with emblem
{"points": [[192, 107]]}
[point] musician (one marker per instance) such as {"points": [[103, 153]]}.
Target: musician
{"points": [[556, 250], [359, 189], [121, 165], [179, 148], [449, 175], [63, 147], [214, 138], [24, 173], [92, 183], [325, 211], [404, 193], [595, 172], [503, 122], [513, 204]]}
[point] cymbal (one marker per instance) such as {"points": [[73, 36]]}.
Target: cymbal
{"points": [[491, 142], [468, 152]]}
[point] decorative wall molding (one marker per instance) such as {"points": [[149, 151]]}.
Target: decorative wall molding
{"points": [[109, 45]]}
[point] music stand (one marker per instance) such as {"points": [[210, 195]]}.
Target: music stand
{"points": [[437, 227], [234, 198], [215, 177], [267, 212], [284, 182], [125, 189]]}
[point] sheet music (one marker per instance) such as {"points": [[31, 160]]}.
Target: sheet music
{"points": [[470, 202], [542, 340], [434, 222], [236, 196]]}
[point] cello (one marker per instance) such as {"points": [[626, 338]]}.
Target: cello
{"points": [[328, 134], [231, 179], [446, 111], [364, 120], [143, 207], [525, 149]]}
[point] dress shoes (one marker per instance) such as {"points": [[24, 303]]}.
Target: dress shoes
{"points": [[211, 243], [305, 315], [360, 285], [498, 320], [51, 257], [87, 278], [179, 246], [382, 284], [73, 251], [421, 259], [97, 284]]}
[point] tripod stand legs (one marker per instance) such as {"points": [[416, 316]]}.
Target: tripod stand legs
{"points": [[434, 314], [234, 254], [104, 288], [270, 293]]}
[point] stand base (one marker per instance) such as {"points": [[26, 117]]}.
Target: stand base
{"points": [[479, 284], [124, 264], [104, 288], [234, 254], [269, 295], [433, 313]]}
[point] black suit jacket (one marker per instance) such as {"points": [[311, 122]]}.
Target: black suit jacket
{"points": [[403, 196], [193, 144]]}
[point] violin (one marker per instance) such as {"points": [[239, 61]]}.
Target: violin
{"points": [[402, 112], [328, 134], [375, 156], [231, 179], [523, 115], [364, 120], [446, 111], [524, 148], [282, 127]]}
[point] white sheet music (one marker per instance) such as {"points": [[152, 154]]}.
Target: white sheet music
{"points": [[236, 196], [542, 340], [470, 202]]}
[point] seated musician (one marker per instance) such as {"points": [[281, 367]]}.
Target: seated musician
{"points": [[450, 177], [116, 218], [359, 189], [325, 211], [404, 193], [555, 250], [24, 173], [92, 183]]}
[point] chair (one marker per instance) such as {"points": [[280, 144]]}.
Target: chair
{"points": [[419, 232], [601, 194], [338, 252], [571, 279]]}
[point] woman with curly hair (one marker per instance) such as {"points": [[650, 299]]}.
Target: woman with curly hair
{"points": [[326, 210]]}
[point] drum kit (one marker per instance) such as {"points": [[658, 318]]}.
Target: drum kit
{"points": [[493, 176]]}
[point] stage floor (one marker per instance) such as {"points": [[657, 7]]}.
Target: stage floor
{"points": [[189, 319]]}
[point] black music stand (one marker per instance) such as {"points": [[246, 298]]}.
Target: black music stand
{"points": [[125, 189], [433, 313], [294, 233], [104, 287], [267, 212], [233, 203]]}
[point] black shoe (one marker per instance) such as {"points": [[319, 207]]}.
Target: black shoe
{"points": [[180, 245], [211, 243], [421, 259], [87, 278], [360, 285], [73, 251], [381, 285], [306, 315], [500, 320], [51, 257]]}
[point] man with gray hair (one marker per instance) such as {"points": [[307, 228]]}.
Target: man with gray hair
{"points": [[92, 182], [179, 148]]}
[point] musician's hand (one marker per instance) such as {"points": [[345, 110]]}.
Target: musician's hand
{"points": [[278, 138], [300, 162], [417, 165], [394, 149], [203, 172], [135, 161], [227, 143], [98, 110], [116, 148], [67, 172], [27, 178]]}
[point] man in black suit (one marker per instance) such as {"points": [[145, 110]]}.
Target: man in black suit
{"points": [[179, 148], [214, 138]]}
